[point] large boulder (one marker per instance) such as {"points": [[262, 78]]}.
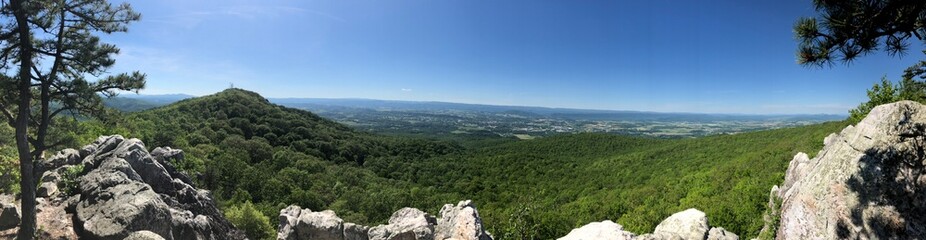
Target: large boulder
{"points": [[460, 222], [405, 224], [298, 223], [165, 157], [605, 230], [718, 233], [113, 204], [144, 235], [125, 190], [289, 218], [684, 225], [61, 158], [868, 182], [356, 232], [9, 213], [688, 224]]}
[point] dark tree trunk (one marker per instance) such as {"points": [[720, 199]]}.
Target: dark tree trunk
{"points": [[26, 184]]}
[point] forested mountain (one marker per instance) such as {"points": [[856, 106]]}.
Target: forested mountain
{"points": [[246, 149]]}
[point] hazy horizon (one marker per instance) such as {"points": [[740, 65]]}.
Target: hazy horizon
{"points": [[143, 95]]}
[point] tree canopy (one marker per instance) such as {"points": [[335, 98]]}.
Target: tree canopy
{"points": [[847, 29], [53, 62]]}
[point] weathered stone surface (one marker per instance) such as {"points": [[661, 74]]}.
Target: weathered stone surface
{"points": [[323, 225], [127, 190], [47, 189], [9, 217], [112, 205], [798, 166], [61, 158], [718, 233], [688, 224], [298, 223], [289, 218], [355, 232], [605, 230], [144, 235], [405, 224], [460, 222], [868, 182], [166, 156]]}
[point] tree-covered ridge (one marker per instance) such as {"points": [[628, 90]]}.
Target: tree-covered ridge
{"points": [[245, 150], [546, 187]]}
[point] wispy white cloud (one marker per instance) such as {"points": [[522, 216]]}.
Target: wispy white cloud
{"points": [[406, 89], [257, 11], [192, 19]]}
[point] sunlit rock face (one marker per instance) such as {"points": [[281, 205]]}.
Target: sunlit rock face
{"points": [[458, 222], [868, 182], [125, 192]]}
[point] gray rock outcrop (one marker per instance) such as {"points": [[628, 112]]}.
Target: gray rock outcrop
{"points": [[144, 235], [685, 225], [718, 233], [9, 214], [688, 224], [297, 223], [48, 184], [124, 191], [605, 230], [407, 223], [460, 221], [868, 182]]}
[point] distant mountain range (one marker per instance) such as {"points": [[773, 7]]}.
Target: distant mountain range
{"points": [[136, 102], [162, 99]]}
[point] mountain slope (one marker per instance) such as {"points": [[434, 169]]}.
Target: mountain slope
{"points": [[129, 104], [246, 149]]}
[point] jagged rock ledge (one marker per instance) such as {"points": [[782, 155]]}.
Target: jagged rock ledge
{"points": [[459, 221], [868, 181], [688, 224], [124, 192]]}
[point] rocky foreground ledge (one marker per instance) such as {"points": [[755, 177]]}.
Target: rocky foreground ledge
{"points": [[688, 224], [123, 192], [868, 182], [459, 221]]}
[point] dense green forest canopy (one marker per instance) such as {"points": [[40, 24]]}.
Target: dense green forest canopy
{"points": [[256, 155]]}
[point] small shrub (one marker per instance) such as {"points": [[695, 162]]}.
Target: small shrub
{"points": [[773, 218], [68, 183], [247, 218], [9, 171]]}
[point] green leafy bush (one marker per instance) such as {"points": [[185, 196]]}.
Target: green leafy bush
{"points": [[68, 183], [9, 170], [888, 92], [247, 218]]}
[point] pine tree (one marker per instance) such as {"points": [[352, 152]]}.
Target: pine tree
{"points": [[49, 50]]}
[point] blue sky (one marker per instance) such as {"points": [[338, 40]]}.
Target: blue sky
{"points": [[661, 55]]}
